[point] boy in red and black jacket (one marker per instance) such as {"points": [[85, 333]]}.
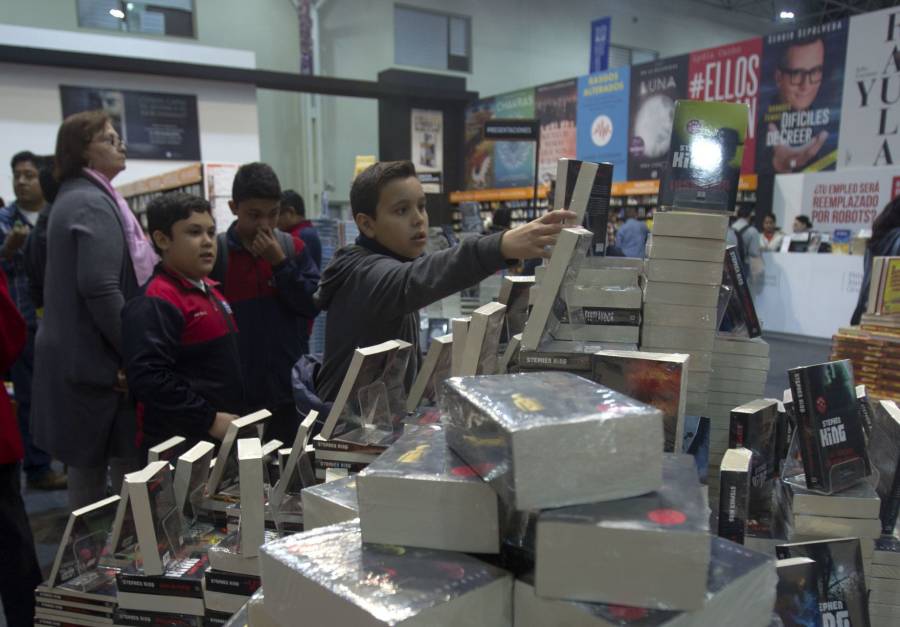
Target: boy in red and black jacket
{"points": [[269, 278], [180, 340]]}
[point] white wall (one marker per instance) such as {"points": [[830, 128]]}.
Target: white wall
{"points": [[516, 43], [31, 112]]}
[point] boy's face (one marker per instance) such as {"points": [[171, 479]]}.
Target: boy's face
{"points": [[401, 221], [191, 250], [255, 215], [287, 217]]}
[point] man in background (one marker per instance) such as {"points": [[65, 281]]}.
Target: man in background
{"points": [[745, 236], [292, 220], [16, 222], [632, 236]]}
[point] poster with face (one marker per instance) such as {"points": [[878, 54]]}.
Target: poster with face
{"points": [[514, 161], [870, 118], [555, 106], [800, 99], [479, 152], [730, 74], [655, 87], [603, 119]]}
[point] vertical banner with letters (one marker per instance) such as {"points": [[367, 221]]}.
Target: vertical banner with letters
{"points": [[603, 119], [555, 106], [730, 74], [514, 161], [479, 153], [870, 117], [427, 139]]}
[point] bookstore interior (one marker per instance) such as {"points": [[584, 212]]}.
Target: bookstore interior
{"points": [[570, 399]]}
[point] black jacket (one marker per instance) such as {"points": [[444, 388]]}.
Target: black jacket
{"points": [[373, 296]]}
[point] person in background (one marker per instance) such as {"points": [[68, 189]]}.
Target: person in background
{"points": [[36, 246], [98, 257], [802, 224], [269, 279], [631, 237], [885, 242], [292, 220], [745, 236], [16, 223], [20, 573], [771, 237]]}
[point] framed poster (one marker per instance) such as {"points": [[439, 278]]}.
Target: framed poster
{"points": [[427, 152]]}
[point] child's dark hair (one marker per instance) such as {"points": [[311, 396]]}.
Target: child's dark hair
{"points": [[255, 180], [164, 211], [23, 157], [367, 186], [290, 198]]}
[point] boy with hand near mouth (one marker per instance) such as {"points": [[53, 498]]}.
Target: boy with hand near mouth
{"points": [[373, 290], [179, 337]]}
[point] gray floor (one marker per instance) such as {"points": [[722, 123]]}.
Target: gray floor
{"points": [[48, 510]]}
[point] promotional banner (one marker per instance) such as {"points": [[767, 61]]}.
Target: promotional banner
{"points": [[600, 44], [730, 74], [655, 87], [603, 119], [427, 131], [555, 106], [800, 99], [479, 154], [848, 199], [153, 125], [514, 160], [870, 118]]}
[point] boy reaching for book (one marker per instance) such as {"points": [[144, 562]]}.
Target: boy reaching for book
{"points": [[179, 336], [373, 290]]}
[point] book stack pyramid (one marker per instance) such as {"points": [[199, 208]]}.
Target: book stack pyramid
{"points": [[884, 583], [681, 295], [875, 355]]}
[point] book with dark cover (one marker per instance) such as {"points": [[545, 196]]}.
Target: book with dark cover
{"points": [[329, 572], [365, 439], [833, 446], [783, 433], [657, 379], [734, 494], [231, 583], [740, 315], [705, 156], [84, 541], [420, 493], [866, 409], [840, 583], [584, 187], [754, 426], [514, 294], [137, 618], [183, 578], [597, 552], [98, 614], [94, 586], [797, 603], [555, 360], [550, 439], [884, 450]]}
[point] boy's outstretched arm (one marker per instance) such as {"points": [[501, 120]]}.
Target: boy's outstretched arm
{"points": [[407, 287]]}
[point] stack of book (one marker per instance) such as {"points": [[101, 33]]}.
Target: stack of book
{"points": [[351, 452], [883, 305], [681, 294], [884, 583], [875, 355], [329, 503], [739, 371]]}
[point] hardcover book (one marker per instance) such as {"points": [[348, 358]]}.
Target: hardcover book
{"points": [[884, 450], [84, 541], [483, 340], [657, 379], [866, 409], [734, 494], [329, 503], [705, 157], [797, 603], [157, 518], [419, 493], [552, 439], [840, 583], [833, 446], [597, 552], [225, 471], [336, 578]]}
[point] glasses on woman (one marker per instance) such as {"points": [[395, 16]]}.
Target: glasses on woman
{"points": [[113, 140]]}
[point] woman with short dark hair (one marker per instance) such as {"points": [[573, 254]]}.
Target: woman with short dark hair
{"points": [[97, 257], [885, 242]]}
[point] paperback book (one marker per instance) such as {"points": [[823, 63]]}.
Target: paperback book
{"points": [[514, 294], [329, 503], [191, 474], [168, 450], [225, 471], [586, 188], [434, 371], [157, 518], [179, 590], [754, 426], [739, 317], [483, 340], [734, 494], [84, 541], [797, 601], [885, 455]]}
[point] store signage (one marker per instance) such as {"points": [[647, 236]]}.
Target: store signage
{"points": [[603, 119], [512, 130], [153, 125], [427, 145], [848, 199], [514, 160], [431, 182], [600, 36]]}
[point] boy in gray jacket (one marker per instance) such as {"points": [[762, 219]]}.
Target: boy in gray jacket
{"points": [[373, 290]]}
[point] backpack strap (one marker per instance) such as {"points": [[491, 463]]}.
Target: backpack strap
{"points": [[286, 242], [220, 269]]}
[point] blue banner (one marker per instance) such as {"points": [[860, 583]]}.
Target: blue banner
{"points": [[600, 31], [603, 119]]}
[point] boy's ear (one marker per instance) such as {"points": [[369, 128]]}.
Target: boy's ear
{"points": [[365, 222], [161, 240], [233, 206]]}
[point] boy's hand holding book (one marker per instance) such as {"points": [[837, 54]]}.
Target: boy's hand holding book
{"points": [[220, 424], [531, 240]]}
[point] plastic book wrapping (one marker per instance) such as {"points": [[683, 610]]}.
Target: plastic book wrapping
{"points": [[224, 473], [831, 437], [657, 379], [366, 395], [388, 583], [84, 541], [797, 600], [182, 578], [858, 501], [753, 426], [739, 318], [610, 445], [168, 523], [340, 492], [394, 379], [434, 371], [122, 548], [884, 452], [840, 582]]}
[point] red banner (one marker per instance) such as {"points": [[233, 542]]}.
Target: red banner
{"points": [[729, 74]]}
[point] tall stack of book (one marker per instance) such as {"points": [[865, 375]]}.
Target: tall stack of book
{"points": [[884, 583], [875, 354], [883, 305], [739, 371], [681, 295]]}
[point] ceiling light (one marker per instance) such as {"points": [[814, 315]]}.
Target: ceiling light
{"points": [[130, 6], [786, 15], [119, 14]]}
